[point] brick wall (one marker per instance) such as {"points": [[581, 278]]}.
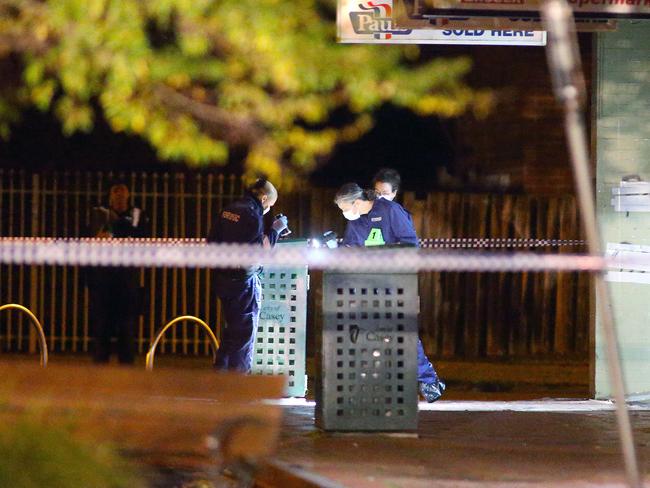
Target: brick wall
{"points": [[521, 144]]}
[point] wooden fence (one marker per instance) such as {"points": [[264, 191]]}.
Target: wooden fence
{"points": [[498, 315], [503, 314], [464, 315]]}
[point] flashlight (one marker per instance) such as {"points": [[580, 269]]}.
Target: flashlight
{"points": [[286, 231], [329, 239]]}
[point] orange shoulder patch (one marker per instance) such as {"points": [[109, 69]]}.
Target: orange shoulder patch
{"points": [[233, 217]]}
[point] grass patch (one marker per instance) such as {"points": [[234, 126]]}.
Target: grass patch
{"points": [[35, 454]]}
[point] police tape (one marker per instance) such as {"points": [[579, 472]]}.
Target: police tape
{"points": [[198, 254], [498, 242], [426, 243]]}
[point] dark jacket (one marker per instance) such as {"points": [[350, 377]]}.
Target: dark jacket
{"points": [[132, 223], [241, 222], [387, 223]]}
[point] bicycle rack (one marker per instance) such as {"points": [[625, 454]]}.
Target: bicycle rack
{"points": [[36, 323], [152, 350]]}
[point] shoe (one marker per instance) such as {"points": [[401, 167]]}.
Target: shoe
{"points": [[432, 391]]}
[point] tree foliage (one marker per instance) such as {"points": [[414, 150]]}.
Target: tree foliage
{"points": [[197, 78]]}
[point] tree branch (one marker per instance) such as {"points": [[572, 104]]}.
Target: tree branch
{"points": [[20, 43], [234, 129]]}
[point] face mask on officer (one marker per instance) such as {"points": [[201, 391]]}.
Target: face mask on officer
{"points": [[385, 190], [351, 213]]}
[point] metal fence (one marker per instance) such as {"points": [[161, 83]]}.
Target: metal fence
{"points": [[464, 315], [58, 205]]}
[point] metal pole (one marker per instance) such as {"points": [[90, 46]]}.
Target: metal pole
{"points": [[564, 64]]}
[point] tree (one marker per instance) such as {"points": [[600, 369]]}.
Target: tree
{"points": [[196, 78]]}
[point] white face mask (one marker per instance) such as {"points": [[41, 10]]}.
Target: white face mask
{"points": [[386, 196], [351, 214], [266, 210]]}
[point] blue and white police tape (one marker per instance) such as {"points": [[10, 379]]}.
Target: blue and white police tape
{"points": [[197, 254], [426, 243]]}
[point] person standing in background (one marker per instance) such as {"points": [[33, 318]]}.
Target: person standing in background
{"points": [[387, 182], [115, 291]]}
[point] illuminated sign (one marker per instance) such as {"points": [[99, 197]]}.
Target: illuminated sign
{"points": [[372, 22]]}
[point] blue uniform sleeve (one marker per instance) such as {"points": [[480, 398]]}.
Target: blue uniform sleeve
{"points": [[253, 229], [273, 236], [351, 237], [402, 226]]}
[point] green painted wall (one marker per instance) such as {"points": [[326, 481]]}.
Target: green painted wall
{"points": [[623, 148]]}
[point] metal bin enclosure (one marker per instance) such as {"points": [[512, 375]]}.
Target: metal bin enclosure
{"points": [[368, 373], [280, 342]]}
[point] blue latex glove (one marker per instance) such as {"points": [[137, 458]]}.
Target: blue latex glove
{"points": [[280, 224]]}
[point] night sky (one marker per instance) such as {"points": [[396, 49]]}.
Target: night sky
{"points": [[400, 139]]}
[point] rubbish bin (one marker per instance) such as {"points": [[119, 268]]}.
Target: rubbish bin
{"points": [[368, 356], [281, 334]]}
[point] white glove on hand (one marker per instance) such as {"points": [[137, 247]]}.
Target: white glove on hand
{"points": [[280, 224]]}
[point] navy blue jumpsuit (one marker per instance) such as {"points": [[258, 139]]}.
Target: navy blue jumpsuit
{"points": [[240, 290], [389, 223]]}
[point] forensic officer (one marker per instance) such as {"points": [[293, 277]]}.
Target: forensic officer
{"points": [[377, 221], [115, 291], [240, 290], [387, 183]]}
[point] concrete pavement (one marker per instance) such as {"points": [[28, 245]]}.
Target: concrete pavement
{"points": [[545, 442]]}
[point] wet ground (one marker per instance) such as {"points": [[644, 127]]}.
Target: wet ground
{"points": [[498, 425], [462, 443]]}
